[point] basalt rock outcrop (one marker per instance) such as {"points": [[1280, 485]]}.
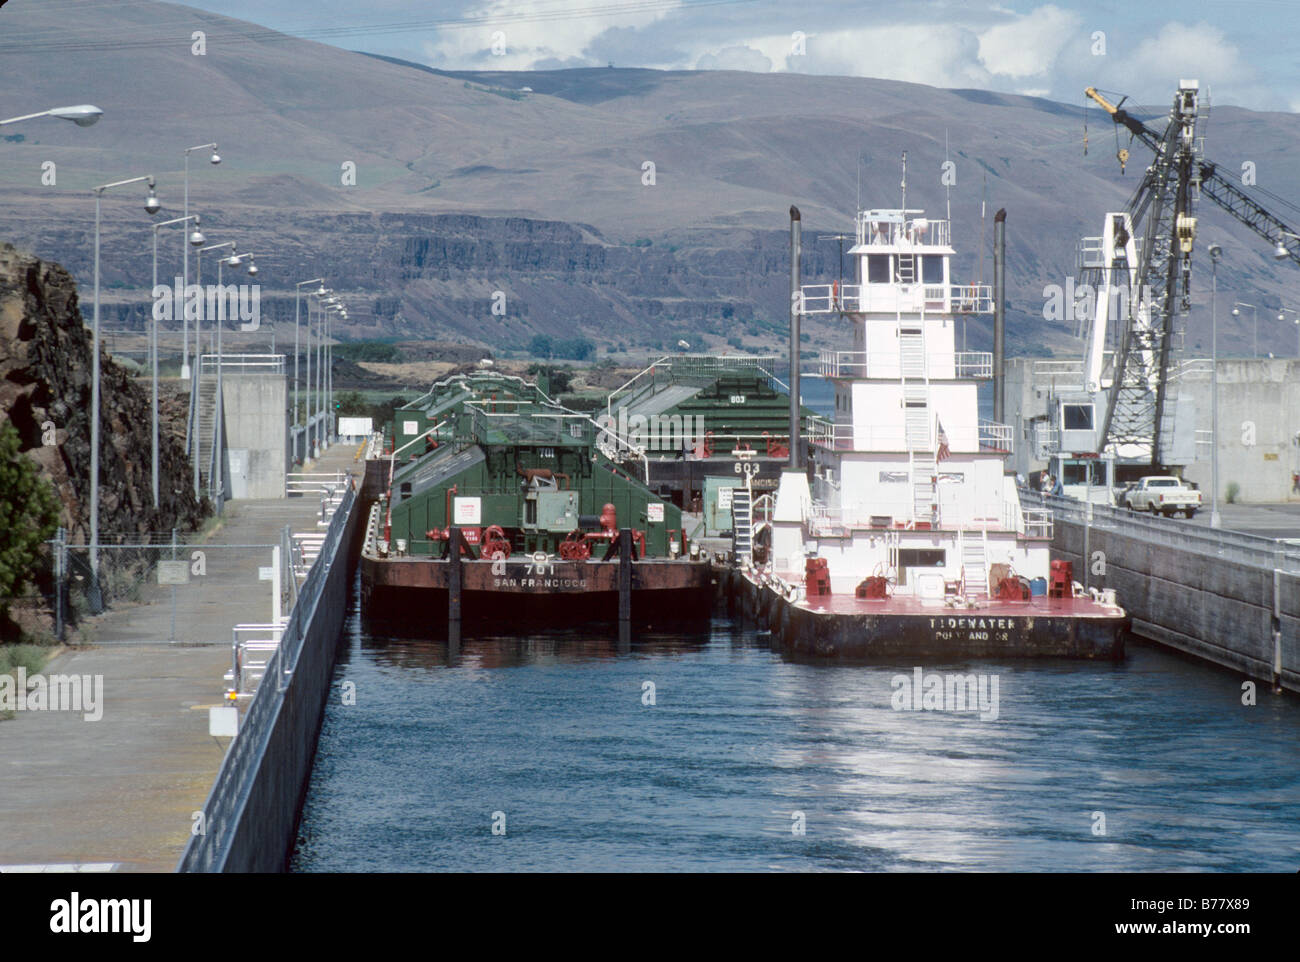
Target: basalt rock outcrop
{"points": [[45, 392]]}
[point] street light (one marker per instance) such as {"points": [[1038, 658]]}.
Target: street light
{"points": [[1236, 313], [1281, 252], [313, 388], [83, 115], [185, 348], [297, 293], [195, 238], [151, 206], [1281, 316], [1215, 252]]}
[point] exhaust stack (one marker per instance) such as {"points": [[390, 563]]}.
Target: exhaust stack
{"points": [[999, 310], [796, 307]]}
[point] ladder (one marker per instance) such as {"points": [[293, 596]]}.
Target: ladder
{"points": [[742, 525], [906, 268], [974, 563], [924, 469], [916, 419]]}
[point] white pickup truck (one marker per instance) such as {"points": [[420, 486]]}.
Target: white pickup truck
{"points": [[1163, 495]]}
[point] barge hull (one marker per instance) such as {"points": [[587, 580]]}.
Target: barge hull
{"points": [[414, 591], [849, 629]]}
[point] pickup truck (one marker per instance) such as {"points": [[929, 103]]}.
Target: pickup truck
{"points": [[1162, 495]]}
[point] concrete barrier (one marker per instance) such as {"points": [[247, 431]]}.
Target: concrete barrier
{"points": [[251, 814], [1232, 610]]}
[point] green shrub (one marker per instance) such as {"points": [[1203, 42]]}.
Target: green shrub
{"points": [[1233, 490]]}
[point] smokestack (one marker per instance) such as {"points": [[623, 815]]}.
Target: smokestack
{"points": [[796, 306], [999, 309]]}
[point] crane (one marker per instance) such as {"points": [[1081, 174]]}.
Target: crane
{"points": [[1160, 279], [1162, 204]]}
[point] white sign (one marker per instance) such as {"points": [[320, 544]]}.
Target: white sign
{"points": [[410, 427], [223, 721], [173, 572], [654, 512], [265, 573], [357, 427], [467, 510], [724, 498]]}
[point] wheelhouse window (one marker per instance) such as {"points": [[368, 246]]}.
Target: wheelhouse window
{"points": [[877, 268], [932, 269]]}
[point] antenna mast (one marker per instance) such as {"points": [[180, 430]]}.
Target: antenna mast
{"points": [[904, 185]]}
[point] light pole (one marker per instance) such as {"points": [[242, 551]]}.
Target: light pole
{"points": [[341, 313], [1215, 252], [1254, 351], [151, 206], [195, 238], [297, 294], [198, 358], [185, 348], [83, 115], [313, 388]]}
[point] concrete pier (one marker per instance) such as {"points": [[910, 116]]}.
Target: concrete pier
{"points": [[1226, 597], [119, 793]]}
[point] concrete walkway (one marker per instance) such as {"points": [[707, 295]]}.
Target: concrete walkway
{"points": [[120, 791]]}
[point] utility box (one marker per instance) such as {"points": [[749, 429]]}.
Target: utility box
{"points": [[717, 504], [557, 511]]}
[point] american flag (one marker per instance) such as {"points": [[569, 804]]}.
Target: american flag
{"points": [[943, 453]]}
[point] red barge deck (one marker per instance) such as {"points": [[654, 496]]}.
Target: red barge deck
{"points": [[845, 626]]}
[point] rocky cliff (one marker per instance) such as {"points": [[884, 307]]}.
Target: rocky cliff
{"points": [[45, 391]]}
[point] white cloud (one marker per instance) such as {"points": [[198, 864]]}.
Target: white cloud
{"points": [[738, 57], [942, 55], [529, 37], [1028, 46], [1199, 51]]}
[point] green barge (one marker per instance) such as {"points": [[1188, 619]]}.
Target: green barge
{"points": [[500, 506]]}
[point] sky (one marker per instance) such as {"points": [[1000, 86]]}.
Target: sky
{"points": [[1054, 50]]}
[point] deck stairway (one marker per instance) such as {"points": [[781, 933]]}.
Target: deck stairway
{"points": [[975, 563], [742, 525], [207, 427], [917, 418]]}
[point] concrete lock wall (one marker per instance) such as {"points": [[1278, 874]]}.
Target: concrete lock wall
{"points": [[1259, 421], [256, 433], [252, 809], [1217, 610]]}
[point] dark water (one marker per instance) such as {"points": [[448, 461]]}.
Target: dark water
{"points": [[551, 731]]}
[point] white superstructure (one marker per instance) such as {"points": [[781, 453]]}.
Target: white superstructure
{"points": [[907, 480]]}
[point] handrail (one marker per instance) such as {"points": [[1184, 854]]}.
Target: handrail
{"points": [[207, 852]]}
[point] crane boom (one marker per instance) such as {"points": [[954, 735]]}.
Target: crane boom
{"points": [[1213, 184]]}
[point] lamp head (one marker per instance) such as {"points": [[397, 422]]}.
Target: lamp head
{"points": [[151, 203], [252, 268], [216, 157], [1236, 313], [1280, 252], [197, 238], [1215, 252], [83, 115]]}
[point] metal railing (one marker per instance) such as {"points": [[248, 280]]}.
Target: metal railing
{"points": [[243, 363], [988, 436], [244, 758], [1187, 535], [917, 298], [889, 365], [307, 482]]}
